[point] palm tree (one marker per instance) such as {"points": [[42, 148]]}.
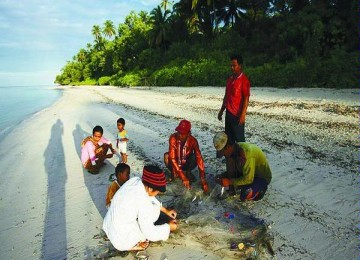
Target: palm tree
{"points": [[232, 13], [183, 9], [109, 29], [205, 14], [96, 32], [81, 56], [164, 4], [160, 22]]}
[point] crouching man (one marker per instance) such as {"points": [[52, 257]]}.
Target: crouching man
{"points": [[130, 221], [184, 155], [246, 168], [94, 150]]}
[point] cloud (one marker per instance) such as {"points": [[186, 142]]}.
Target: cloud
{"points": [[37, 33]]}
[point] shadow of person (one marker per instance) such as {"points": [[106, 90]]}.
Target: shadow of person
{"points": [[96, 184], [79, 134], [54, 239]]}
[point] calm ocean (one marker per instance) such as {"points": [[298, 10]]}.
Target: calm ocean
{"points": [[20, 102]]}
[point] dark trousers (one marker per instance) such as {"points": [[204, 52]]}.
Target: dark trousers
{"points": [[188, 166], [234, 130], [163, 219], [254, 191]]}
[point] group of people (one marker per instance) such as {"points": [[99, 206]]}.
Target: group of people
{"points": [[134, 215]]}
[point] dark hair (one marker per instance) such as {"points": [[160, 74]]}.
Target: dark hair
{"points": [[121, 167], [98, 129], [121, 121], [237, 57]]}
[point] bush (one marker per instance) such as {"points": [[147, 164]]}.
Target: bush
{"points": [[90, 82], [128, 80], [104, 80], [340, 70], [204, 72]]}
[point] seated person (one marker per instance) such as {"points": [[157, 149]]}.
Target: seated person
{"points": [[184, 155], [130, 221], [122, 173], [94, 150], [246, 168]]}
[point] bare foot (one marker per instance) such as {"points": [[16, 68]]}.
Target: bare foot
{"points": [[140, 246]]}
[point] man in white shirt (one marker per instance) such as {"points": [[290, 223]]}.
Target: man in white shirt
{"points": [[129, 222]]}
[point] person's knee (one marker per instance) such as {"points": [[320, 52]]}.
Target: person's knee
{"points": [[166, 159]]}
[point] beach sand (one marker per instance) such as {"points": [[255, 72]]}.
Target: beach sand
{"points": [[52, 209]]}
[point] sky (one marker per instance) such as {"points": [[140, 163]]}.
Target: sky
{"points": [[39, 36]]}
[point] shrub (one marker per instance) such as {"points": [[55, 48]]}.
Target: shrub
{"points": [[104, 80], [128, 80]]}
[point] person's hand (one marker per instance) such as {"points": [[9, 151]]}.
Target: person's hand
{"points": [[113, 151], [204, 185], [220, 115], [241, 121], [173, 225], [186, 183], [225, 182], [171, 213]]}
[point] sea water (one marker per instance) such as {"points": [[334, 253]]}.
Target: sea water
{"points": [[18, 103]]}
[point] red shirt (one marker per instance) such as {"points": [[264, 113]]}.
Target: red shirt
{"points": [[178, 153], [236, 90]]}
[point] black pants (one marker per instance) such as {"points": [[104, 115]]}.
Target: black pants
{"points": [[163, 219], [189, 165], [234, 130]]}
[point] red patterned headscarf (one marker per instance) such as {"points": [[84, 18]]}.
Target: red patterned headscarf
{"points": [[154, 177]]}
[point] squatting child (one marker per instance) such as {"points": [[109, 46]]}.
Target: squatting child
{"points": [[122, 175], [122, 139]]}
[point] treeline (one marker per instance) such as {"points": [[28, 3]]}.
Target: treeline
{"points": [[295, 43]]}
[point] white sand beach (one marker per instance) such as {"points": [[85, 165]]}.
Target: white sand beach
{"points": [[52, 209]]}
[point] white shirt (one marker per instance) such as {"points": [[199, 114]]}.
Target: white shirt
{"points": [[131, 216]]}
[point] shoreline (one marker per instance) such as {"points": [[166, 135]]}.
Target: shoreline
{"points": [[63, 203], [10, 127]]}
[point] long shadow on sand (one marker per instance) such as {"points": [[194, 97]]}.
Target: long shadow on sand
{"points": [[54, 240], [96, 184]]}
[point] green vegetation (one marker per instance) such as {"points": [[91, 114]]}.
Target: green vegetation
{"points": [[297, 43]]}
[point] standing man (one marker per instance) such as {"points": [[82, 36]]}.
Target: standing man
{"points": [[246, 168], [184, 155], [236, 100]]}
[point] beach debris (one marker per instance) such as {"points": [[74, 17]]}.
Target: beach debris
{"points": [[112, 177], [229, 215], [142, 255], [164, 257], [101, 252], [241, 246], [194, 199], [222, 191], [232, 229]]}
